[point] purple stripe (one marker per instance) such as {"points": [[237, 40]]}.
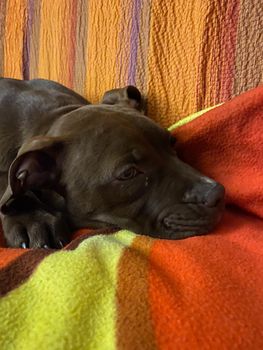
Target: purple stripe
{"points": [[134, 40], [26, 43], [119, 56], [2, 35]]}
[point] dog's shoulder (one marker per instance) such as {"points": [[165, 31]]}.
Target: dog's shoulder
{"points": [[50, 85], [11, 88]]}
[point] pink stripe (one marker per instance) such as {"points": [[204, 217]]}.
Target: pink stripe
{"points": [[72, 47], [229, 44], [134, 40], [26, 40], [215, 84]]}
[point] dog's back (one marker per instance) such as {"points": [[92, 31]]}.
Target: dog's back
{"points": [[27, 108]]}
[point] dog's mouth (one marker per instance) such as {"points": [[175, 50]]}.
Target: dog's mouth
{"points": [[178, 230], [178, 226]]}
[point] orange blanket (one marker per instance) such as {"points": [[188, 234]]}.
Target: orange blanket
{"points": [[131, 292]]}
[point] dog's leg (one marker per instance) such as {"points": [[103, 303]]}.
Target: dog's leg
{"points": [[36, 222], [31, 217], [3, 183]]}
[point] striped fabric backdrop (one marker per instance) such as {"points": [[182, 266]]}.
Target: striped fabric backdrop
{"points": [[183, 55]]}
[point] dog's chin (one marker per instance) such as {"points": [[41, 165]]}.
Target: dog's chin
{"points": [[179, 229], [184, 232]]}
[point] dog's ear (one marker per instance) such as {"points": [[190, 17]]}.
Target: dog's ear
{"points": [[36, 166], [128, 96]]}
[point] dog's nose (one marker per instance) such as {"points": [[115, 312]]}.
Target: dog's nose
{"points": [[214, 196], [209, 194]]}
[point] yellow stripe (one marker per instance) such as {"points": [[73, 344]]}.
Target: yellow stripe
{"points": [[191, 117], [69, 302]]}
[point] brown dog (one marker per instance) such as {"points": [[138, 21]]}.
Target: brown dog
{"points": [[66, 164]]}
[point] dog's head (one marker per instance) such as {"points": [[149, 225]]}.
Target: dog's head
{"points": [[117, 167]]}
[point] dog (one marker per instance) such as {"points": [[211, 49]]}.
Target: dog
{"points": [[67, 164]]}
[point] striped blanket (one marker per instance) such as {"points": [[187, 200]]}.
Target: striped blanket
{"points": [[124, 291], [184, 55], [120, 290]]}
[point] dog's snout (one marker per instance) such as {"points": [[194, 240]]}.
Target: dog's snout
{"points": [[209, 194], [214, 196]]}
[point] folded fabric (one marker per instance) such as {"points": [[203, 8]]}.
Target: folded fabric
{"points": [[125, 291]]}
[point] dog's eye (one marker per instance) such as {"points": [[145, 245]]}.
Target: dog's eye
{"points": [[128, 174]]}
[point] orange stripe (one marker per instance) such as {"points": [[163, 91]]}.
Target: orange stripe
{"points": [[54, 40], [13, 45], [173, 58], [102, 42], [9, 255], [134, 327], [207, 290], [68, 38]]}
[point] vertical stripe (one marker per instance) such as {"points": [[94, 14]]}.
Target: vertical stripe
{"points": [[26, 44], [143, 47], [54, 40], [49, 47], [34, 39], [209, 54], [228, 44], [173, 58], [124, 41], [136, 8], [2, 34], [219, 53], [13, 45], [249, 52], [72, 43], [102, 42], [66, 28], [134, 325], [81, 47], [213, 83]]}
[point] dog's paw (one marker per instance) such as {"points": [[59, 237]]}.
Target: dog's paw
{"points": [[37, 229]]}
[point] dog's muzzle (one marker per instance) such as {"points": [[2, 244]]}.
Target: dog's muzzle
{"points": [[199, 212]]}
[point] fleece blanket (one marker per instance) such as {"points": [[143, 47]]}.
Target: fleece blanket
{"points": [[119, 290], [184, 55]]}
